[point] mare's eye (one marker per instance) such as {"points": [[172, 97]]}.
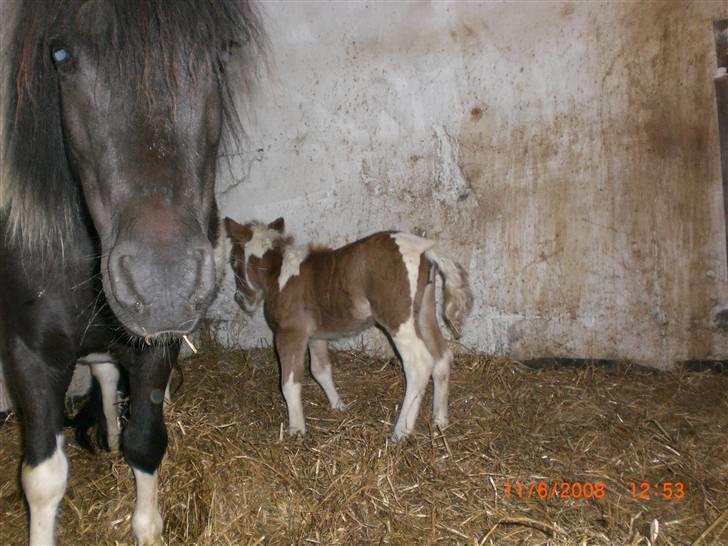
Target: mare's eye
{"points": [[226, 53], [61, 56]]}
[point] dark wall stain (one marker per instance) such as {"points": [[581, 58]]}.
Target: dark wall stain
{"points": [[603, 209]]}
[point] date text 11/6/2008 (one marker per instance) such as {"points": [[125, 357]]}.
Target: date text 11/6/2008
{"points": [[592, 490]]}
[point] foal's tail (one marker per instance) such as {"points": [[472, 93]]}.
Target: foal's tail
{"points": [[458, 297]]}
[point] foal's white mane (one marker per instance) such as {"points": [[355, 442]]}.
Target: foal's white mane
{"points": [[262, 241]]}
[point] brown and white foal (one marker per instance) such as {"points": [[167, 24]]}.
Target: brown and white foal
{"points": [[315, 295]]}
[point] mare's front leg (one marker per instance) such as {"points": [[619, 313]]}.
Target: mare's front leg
{"points": [[144, 439], [39, 387], [291, 347], [321, 370]]}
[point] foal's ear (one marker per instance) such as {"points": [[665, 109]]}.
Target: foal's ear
{"points": [[237, 232], [279, 224]]}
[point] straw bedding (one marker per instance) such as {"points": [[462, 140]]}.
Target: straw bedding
{"points": [[228, 478]]}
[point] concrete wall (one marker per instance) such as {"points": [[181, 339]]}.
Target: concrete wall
{"points": [[565, 152]]}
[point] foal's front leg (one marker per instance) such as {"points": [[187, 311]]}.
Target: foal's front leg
{"points": [[321, 371], [291, 347], [40, 389], [145, 435]]}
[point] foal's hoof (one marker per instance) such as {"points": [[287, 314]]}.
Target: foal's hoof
{"points": [[297, 433], [114, 442], [440, 423], [151, 541], [398, 438], [338, 406]]}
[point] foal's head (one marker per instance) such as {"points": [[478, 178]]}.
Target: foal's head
{"points": [[256, 253], [141, 97]]}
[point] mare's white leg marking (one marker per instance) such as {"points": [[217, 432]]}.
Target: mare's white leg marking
{"points": [[107, 374], [147, 521], [418, 363], [292, 394], [291, 265], [440, 379], [44, 486], [321, 370]]}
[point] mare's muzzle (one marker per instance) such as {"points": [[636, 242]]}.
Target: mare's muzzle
{"points": [[162, 288]]}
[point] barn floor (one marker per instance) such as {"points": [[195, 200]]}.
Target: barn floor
{"points": [[229, 479]]}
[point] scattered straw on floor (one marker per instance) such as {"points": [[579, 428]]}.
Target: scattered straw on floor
{"points": [[229, 479]]}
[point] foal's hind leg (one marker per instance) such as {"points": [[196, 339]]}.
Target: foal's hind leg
{"points": [[291, 347], [436, 344], [40, 391], [107, 374], [417, 362], [321, 370]]}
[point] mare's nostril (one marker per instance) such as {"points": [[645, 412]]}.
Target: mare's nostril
{"points": [[122, 283], [201, 263]]}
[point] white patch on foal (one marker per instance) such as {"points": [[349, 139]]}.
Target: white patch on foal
{"points": [[107, 374], [321, 370], [44, 486], [417, 362], [147, 521], [416, 359], [291, 265], [292, 394], [5, 404], [440, 381], [261, 241], [411, 248]]}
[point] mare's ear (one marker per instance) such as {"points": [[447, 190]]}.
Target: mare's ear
{"points": [[237, 232], [279, 224]]}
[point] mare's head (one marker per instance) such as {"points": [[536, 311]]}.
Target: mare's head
{"points": [[121, 104], [256, 250]]}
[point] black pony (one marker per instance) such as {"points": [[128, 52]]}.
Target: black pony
{"points": [[108, 220]]}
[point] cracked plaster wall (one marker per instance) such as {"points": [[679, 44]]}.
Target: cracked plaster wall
{"points": [[565, 153]]}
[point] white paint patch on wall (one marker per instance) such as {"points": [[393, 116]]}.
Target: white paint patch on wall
{"points": [[564, 152]]}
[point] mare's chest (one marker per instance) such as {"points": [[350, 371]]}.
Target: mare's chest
{"points": [[57, 295]]}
